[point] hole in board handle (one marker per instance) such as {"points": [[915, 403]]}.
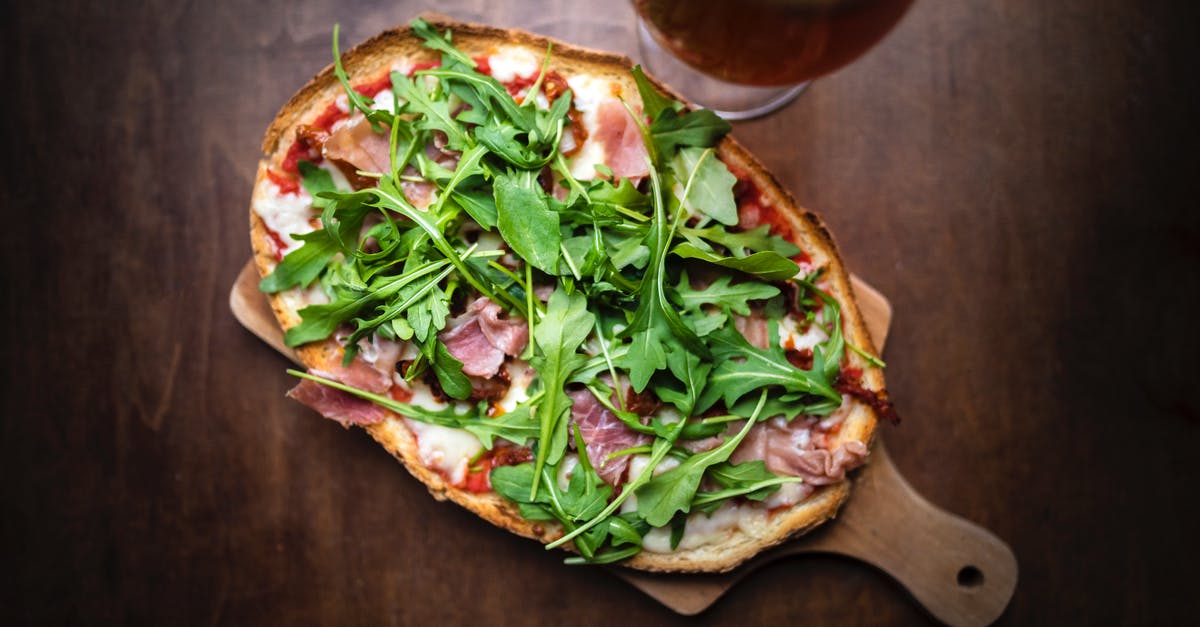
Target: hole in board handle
{"points": [[970, 577]]}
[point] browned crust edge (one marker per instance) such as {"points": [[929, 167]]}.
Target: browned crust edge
{"points": [[364, 62]]}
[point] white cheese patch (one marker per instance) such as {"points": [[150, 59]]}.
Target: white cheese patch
{"points": [[513, 63], [791, 335], [297, 299], [520, 376], [701, 530], [384, 101], [335, 174], [565, 469], [285, 214], [787, 494], [444, 449], [637, 465], [588, 92]]}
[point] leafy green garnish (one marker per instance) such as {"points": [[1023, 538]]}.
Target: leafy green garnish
{"points": [[558, 335]]}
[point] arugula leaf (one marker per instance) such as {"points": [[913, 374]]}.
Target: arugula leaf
{"points": [[436, 41], [827, 357], [743, 368], [749, 480], [558, 335], [319, 321], [434, 114], [674, 490], [527, 223], [653, 101], [758, 239], [357, 100], [709, 188], [449, 371], [733, 297], [767, 265], [517, 429], [701, 128], [692, 373], [656, 321], [302, 265]]}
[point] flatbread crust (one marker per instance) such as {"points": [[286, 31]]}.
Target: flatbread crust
{"points": [[368, 61]]}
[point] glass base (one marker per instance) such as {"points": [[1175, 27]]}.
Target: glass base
{"points": [[728, 100]]}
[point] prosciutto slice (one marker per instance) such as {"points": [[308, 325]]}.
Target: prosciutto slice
{"points": [[792, 449], [480, 339], [370, 370], [336, 404], [624, 150], [355, 143], [603, 434], [754, 328]]}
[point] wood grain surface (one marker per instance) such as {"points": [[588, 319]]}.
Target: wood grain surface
{"points": [[1020, 178]]}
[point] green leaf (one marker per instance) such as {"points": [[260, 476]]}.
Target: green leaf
{"points": [[653, 101], [656, 321], [742, 368], [436, 41], [517, 429], [527, 223], [434, 114], [673, 490], [721, 293], [755, 489], [701, 128], [758, 239], [709, 184], [560, 332], [319, 321], [691, 373], [770, 266], [450, 374], [302, 265]]}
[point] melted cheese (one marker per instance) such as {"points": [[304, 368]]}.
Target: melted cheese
{"points": [[589, 92], [703, 530], [513, 63], [446, 450], [791, 335], [285, 214]]}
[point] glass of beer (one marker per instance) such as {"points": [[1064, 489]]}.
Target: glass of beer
{"points": [[747, 58]]}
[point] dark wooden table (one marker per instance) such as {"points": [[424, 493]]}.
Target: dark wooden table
{"points": [[1021, 178]]}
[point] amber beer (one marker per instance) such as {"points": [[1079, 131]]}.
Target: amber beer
{"points": [[769, 42]]}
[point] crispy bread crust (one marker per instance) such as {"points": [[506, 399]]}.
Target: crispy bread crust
{"points": [[366, 62]]}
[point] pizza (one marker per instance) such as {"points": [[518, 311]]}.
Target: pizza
{"points": [[562, 298]]}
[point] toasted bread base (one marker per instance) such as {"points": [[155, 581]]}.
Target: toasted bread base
{"points": [[368, 61]]}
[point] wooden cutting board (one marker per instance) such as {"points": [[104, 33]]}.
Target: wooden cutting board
{"points": [[958, 571]]}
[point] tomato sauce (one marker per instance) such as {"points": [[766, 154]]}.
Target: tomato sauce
{"points": [[372, 88], [277, 240], [479, 474], [754, 211], [285, 183], [849, 381]]}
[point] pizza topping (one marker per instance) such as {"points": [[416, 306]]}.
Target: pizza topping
{"points": [[480, 338], [616, 130], [604, 434], [357, 144], [577, 286], [789, 448], [337, 404]]}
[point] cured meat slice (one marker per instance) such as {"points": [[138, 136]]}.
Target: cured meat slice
{"points": [[603, 434], [335, 404], [624, 150], [480, 338]]}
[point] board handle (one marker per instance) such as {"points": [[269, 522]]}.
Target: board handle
{"points": [[960, 572]]}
